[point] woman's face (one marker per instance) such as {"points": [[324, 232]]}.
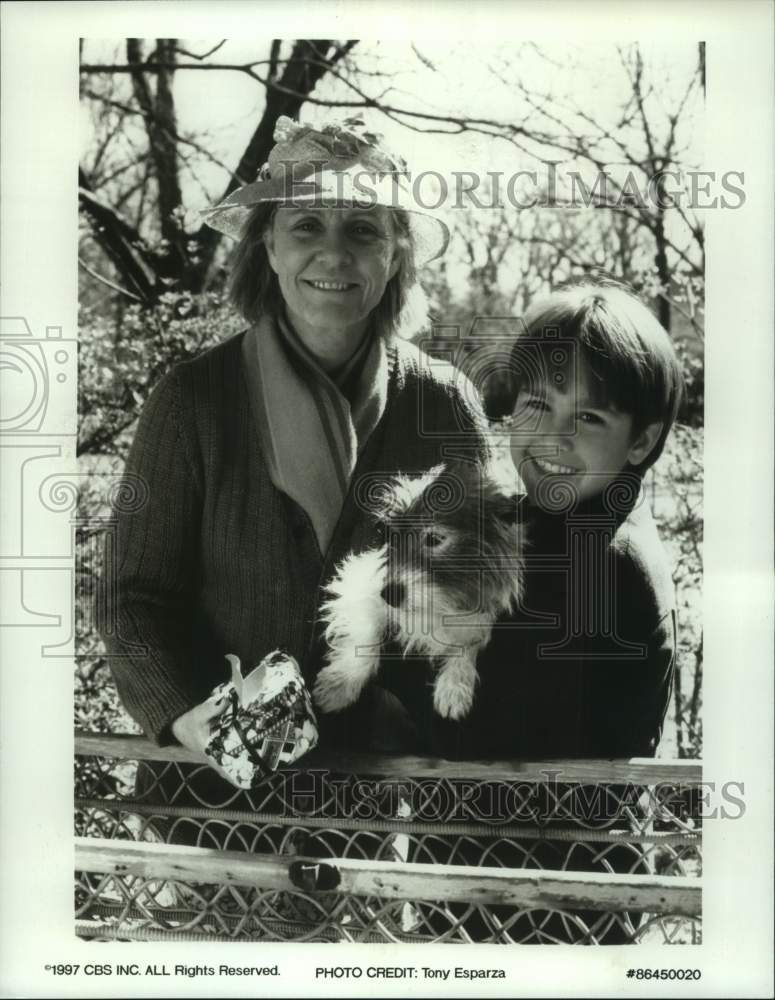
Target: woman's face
{"points": [[332, 265]]}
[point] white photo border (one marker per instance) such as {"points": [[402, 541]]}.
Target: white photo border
{"points": [[40, 148]]}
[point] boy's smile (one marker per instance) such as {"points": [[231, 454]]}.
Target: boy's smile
{"points": [[570, 437]]}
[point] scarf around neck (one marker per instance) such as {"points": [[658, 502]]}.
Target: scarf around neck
{"points": [[310, 432]]}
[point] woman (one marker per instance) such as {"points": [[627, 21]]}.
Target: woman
{"points": [[258, 455]]}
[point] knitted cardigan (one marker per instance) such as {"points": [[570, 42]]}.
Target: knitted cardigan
{"points": [[215, 559]]}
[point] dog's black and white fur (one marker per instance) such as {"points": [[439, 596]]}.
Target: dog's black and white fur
{"points": [[452, 563]]}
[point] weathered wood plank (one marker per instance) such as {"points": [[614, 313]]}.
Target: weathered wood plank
{"points": [[398, 880], [638, 770]]}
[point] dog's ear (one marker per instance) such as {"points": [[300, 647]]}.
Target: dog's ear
{"points": [[464, 481], [468, 473]]}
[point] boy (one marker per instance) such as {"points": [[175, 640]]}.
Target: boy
{"points": [[585, 667]]}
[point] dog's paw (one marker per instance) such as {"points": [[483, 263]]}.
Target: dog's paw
{"points": [[337, 687], [452, 696]]}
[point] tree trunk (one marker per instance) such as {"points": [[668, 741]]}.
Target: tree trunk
{"points": [[308, 63], [185, 261]]}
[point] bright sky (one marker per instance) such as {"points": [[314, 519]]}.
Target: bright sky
{"points": [[429, 76], [221, 108]]}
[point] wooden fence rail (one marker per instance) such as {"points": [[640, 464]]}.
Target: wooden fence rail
{"points": [[394, 880], [426, 862], [638, 770]]}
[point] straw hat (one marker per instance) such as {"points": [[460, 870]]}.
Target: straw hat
{"points": [[341, 164]]}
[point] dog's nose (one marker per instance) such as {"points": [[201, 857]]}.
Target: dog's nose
{"points": [[393, 594]]}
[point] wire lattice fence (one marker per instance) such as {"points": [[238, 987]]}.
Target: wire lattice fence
{"points": [[391, 849]]}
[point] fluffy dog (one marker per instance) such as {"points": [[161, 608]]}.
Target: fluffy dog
{"points": [[451, 563]]}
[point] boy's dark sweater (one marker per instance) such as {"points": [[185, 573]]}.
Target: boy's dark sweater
{"points": [[585, 667]]}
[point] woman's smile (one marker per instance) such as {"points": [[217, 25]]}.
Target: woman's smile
{"points": [[332, 265], [330, 286]]}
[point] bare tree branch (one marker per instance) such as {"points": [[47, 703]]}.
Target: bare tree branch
{"points": [[106, 281], [274, 56], [205, 55], [160, 122], [119, 240], [183, 139], [306, 66]]}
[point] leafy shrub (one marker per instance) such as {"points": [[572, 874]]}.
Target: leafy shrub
{"points": [[677, 504], [120, 360]]}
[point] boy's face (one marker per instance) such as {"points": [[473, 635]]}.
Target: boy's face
{"points": [[563, 437]]}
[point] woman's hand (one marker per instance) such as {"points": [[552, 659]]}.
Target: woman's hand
{"points": [[194, 728]]}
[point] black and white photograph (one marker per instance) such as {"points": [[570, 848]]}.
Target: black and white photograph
{"points": [[373, 513]]}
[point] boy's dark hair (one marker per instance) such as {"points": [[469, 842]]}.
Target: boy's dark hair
{"points": [[630, 355], [255, 290]]}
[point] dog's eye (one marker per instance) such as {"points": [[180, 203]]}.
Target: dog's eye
{"points": [[432, 539]]}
